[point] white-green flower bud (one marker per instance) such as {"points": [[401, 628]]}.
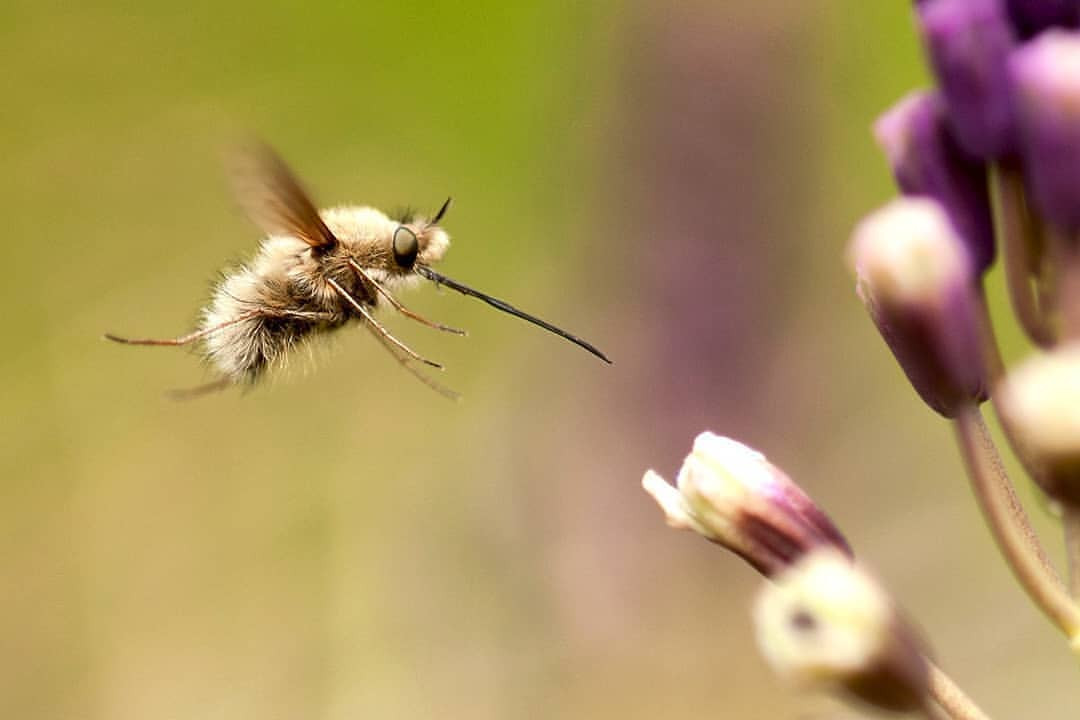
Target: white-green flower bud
{"points": [[825, 623], [1040, 402]]}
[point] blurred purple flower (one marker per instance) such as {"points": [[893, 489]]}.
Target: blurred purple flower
{"points": [[1033, 16], [915, 278], [926, 160], [825, 622], [968, 42], [1046, 84]]}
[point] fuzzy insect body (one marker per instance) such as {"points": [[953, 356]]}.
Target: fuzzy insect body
{"points": [[284, 296], [317, 271]]}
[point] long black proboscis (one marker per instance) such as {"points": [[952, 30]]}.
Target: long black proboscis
{"points": [[506, 307]]}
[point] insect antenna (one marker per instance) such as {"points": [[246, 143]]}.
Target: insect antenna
{"points": [[506, 307], [442, 211]]}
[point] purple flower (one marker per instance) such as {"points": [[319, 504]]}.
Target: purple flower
{"points": [[926, 160], [969, 42], [1033, 16], [915, 278], [1046, 86]]}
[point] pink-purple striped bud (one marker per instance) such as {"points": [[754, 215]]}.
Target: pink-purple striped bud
{"points": [[926, 161], [1046, 86], [914, 276], [968, 43], [736, 498]]}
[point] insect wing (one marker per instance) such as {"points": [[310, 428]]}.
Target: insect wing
{"points": [[273, 197]]}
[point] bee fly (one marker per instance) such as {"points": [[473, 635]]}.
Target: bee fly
{"points": [[317, 271]]}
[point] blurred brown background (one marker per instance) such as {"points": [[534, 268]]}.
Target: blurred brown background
{"points": [[675, 183]]}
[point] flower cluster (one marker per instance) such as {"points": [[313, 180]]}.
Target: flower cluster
{"points": [[820, 618], [988, 164], [1005, 115], [989, 157], [1008, 83]]}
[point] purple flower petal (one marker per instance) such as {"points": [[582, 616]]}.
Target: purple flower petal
{"points": [[1046, 86], [969, 42], [926, 160], [1033, 16], [915, 279]]}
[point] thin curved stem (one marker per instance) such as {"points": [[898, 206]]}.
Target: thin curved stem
{"points": [[950, 698], [991, 351], [1070, 519], [1016, 236], [1009, 523], [931, 711], [1066, 256]]}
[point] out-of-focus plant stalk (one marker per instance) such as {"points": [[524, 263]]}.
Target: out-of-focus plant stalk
{"points": [[1065, 248], [1070, 519], [995, 366], [948, 695], [1017, 235], [1009, 523]]}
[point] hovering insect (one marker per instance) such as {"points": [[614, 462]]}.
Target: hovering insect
{"points": [[317, 271]]}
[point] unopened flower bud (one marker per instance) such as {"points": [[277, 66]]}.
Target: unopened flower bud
{"points": [[927, 161], [1033, 16], [733, 496], [825, 623], [1040, 403], [914, 276], [1046, 84], [968, 42]]}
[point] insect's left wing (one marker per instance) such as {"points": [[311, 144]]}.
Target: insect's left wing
{"points": [[273, 197]]}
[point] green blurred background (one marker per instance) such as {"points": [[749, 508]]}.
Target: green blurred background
{"points": [[674, 182]]}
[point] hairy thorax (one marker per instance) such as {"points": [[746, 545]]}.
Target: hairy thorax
{"points": [[287, 292]]}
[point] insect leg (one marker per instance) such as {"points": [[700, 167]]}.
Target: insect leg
{"points": [[199, 390], [184, 339], [397, 303], [378, 327], [404, 362]]}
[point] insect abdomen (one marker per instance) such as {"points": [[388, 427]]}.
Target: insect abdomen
{"points": [[261, 321]]}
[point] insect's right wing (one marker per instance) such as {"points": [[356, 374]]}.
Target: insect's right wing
{"points": [[274, 199]]}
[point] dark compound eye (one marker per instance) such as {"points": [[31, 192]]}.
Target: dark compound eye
{"points": [[405, 247]]}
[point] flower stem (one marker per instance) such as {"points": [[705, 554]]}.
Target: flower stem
{"points": [[1070, 519], [1017, 235], [991, 351], [1009, 523], [1067, 258], [948, 695]]}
